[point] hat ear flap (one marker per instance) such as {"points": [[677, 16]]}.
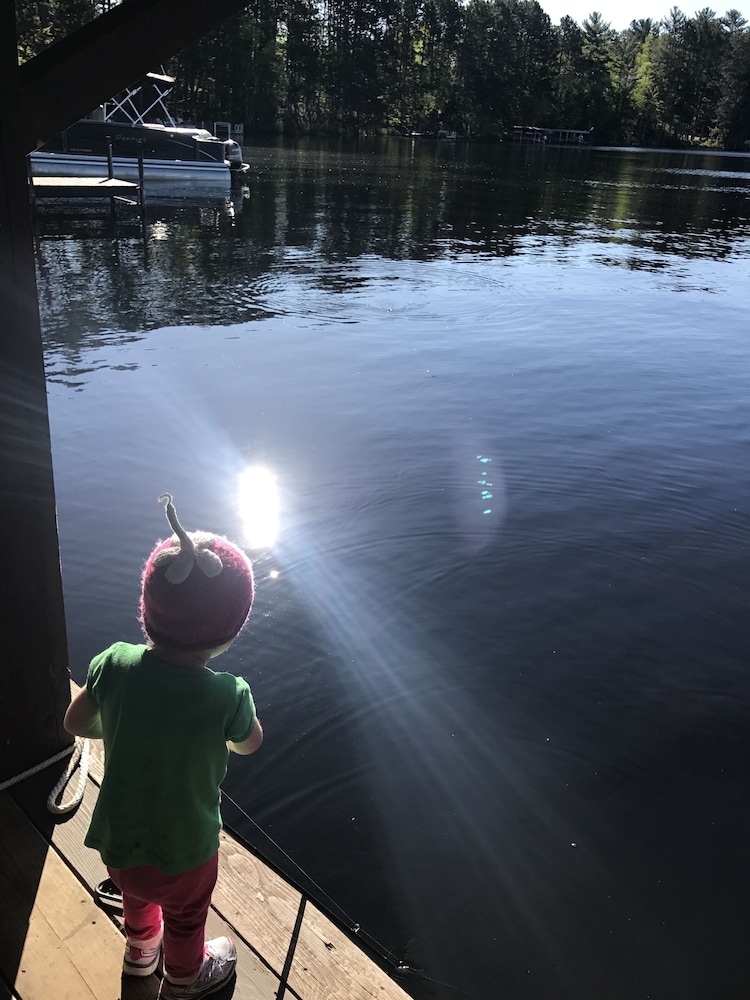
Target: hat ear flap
{"points": [[209, 563]]}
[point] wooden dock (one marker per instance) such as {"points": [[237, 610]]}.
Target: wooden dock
{"points": [[85, 187], [110, 187], [56, 943], [60, 193]]}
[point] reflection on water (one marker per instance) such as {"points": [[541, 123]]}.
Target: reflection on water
{"points": [[499, 643], [308, 212], [259, 507]]}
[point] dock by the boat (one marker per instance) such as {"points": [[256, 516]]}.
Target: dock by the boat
{"points": [[109, 187], [86, 187], [58, 943]]}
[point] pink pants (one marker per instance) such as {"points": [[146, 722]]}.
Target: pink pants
{"points": [[179, 902]]}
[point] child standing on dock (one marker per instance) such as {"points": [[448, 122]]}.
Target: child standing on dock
{"points": [[167, 721]]}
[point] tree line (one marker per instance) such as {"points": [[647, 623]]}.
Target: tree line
{"points": [[479, 67]]}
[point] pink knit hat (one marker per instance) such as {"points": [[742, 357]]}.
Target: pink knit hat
{"points": [[197, 589]]}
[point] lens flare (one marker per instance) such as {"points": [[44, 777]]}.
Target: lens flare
{"points": [[259, 507]]}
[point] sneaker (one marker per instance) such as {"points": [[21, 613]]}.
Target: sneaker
{"points": [[141, 961], [219, 963]]}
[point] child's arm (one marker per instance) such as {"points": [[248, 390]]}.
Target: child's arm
{"points": [[83, 718], [251, 744]]}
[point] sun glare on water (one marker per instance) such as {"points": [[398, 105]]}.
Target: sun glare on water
{"points": [[259, 507]]}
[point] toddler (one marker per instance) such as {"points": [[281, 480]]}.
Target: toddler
{"points": [[167, 721]]}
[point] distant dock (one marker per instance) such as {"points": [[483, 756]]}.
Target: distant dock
{"points": [[534, 135]]}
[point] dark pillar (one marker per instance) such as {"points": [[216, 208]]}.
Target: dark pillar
{"points": [[34, 681]]}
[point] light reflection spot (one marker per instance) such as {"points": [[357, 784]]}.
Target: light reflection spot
{"points": [[259, 507]]}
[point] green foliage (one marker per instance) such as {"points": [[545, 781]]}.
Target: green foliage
{"points": [[732, 127], [647, 105], [504, 66], [40, 22], [477, 66]]}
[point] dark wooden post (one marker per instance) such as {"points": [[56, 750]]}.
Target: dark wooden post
{"points": [[34, 680], [141, 175]]}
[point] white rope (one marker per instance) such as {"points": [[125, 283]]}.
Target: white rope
{"points": [[80, 757], [38, 767]]}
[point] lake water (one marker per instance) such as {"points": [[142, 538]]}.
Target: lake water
{"points": [[500, 646]]}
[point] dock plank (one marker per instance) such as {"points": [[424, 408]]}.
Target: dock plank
{"points": [[66, 948], [47, 970], [58, 186], [259, 903], [328, 965]]}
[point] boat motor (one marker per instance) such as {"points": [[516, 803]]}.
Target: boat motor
{"points": [[233, 154]]}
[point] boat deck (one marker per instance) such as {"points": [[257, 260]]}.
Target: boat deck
{"points": [[58, 943]]}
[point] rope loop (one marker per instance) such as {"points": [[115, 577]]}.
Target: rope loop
{"points": [[79, 757]]}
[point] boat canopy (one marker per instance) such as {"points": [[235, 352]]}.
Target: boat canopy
{"points": [[141, 103]]}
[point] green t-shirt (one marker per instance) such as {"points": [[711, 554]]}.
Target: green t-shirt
{"points": [[165, 731]]}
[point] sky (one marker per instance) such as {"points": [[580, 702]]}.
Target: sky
{"points": [[619, 13]]}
